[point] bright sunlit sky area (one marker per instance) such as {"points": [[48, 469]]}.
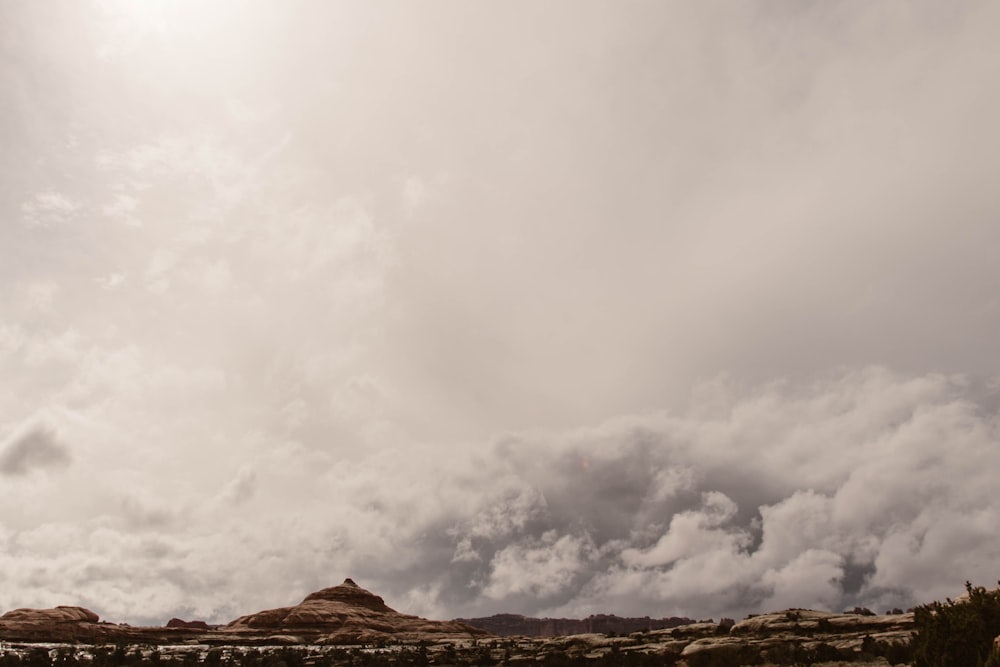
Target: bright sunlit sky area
{"points": [[553, 308]]}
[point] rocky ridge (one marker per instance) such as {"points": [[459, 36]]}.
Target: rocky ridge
{"points": [[348, 615], [516, 625], [344, 614]]}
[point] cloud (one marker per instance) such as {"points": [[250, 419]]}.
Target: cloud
{"points": [[539, 568], [39, 297], [123, 209], [734, 533], [695, 521], [111, 281], [36, 449], [49, 208], [241, 488]]}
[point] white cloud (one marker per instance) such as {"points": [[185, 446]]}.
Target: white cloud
{"points": [[49, 208], [111, 281], [40, 297], [811, 580], [692, 534], [540, 568], [123, 209]]}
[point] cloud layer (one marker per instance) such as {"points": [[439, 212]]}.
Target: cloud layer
{"points": [[565, 308], [868, 488]]}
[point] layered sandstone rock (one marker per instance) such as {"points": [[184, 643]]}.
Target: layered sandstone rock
{"points": [[801, 621], [73, 625], [59, 624], [61, 614], [345, 614]]}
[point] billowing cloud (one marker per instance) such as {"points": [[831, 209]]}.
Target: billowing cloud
{"points": [[864, 513]]}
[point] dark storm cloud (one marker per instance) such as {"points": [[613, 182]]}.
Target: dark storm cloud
{"points": [[37, 449]]}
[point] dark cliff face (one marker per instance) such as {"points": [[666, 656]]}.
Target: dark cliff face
{"points": [[510, 625], [192, 625]]}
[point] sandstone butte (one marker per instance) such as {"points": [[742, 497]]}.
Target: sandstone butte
{"points": [[344, 614]]}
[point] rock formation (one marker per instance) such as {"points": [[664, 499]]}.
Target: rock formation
{"points": [[515, 625], [78, 625], [325, 621], [345, 614], [59, 624], [61, 614], [192, 625]]}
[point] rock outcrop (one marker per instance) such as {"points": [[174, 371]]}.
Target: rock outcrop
{"points": [[805, 629], [344, 614], [191, 625], [61, 614], [73, 625], [59, 624]]}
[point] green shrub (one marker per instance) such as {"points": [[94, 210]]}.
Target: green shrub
{"points": [[957, 634]]}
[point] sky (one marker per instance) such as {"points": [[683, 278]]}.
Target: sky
{"points": [[646, 308]]}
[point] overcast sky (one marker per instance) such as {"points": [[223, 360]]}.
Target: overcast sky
{"points": [[551, 308]]}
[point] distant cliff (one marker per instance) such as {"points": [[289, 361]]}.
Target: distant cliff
{"points": [[509, 625]]}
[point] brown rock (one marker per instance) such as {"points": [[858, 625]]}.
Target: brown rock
{"points": [[59, 624], [349, 593], [345, 614], [61, 614], [190, 625]]}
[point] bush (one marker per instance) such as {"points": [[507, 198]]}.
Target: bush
{"points": [[957, 634]]}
